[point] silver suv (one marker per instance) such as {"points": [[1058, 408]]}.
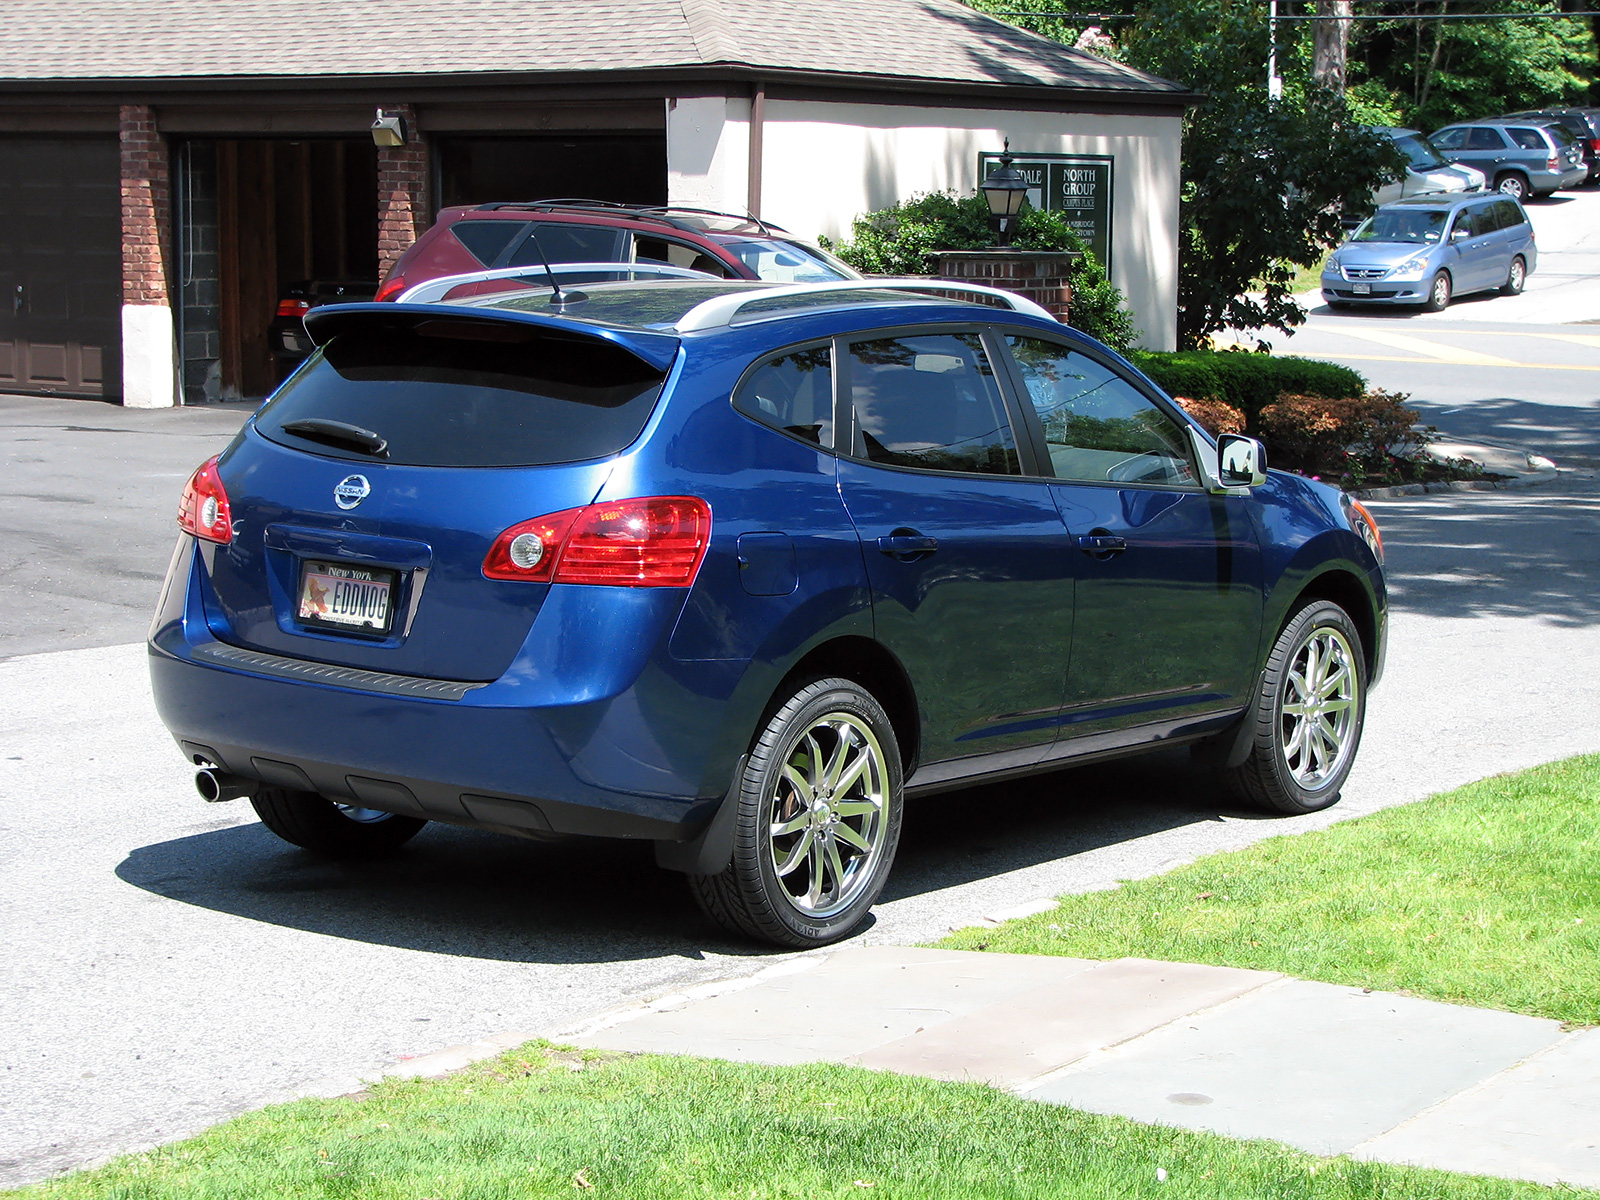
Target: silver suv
{"points": [[1426, 249], [1521, 159]]}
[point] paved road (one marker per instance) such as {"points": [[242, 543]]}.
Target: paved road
{"points": [[170, 963]]}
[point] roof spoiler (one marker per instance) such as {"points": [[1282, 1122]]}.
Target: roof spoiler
{"points": [[656, 350]]}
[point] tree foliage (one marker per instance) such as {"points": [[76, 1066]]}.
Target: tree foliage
{"points": [[899, 240]]}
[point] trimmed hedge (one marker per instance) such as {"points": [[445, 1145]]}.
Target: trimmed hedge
{"points": [[1246, 381]]}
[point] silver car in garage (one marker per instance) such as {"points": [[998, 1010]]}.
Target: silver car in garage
{"points": [[1428, 249]]}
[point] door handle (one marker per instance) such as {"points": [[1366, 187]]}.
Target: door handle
{"points": [[16, 301], [1101, 544], [907, 545]]}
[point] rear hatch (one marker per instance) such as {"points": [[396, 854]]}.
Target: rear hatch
{"points": [[366, 495]]}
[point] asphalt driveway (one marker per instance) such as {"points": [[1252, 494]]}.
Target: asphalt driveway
{"points": [[170, 963]]}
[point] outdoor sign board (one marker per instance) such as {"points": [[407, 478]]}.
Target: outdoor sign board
{"points": [[1076, 185]]}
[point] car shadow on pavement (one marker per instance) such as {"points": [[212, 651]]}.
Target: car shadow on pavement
{"points": [[473, 894], [1526, 552], [1567, 433]]}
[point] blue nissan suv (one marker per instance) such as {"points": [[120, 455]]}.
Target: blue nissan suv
{"points": [[739, 568]]}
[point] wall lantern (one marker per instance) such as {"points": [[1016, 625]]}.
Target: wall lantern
{"points": [[389, 130], [1005, 190]]}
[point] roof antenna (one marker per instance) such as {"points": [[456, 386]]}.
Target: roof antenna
{"points": [[556, 298]]}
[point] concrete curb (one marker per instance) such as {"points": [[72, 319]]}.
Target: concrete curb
{"points": [[1532, 479]]}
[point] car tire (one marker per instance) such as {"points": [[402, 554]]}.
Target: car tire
{"points": [[1438, 293], [818, 821], [1513, 185], [1516, 278], [1299, 760], [318, 824]]}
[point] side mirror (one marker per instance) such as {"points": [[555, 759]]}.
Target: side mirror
{"points": [[1241, 461], [1458, 234]]}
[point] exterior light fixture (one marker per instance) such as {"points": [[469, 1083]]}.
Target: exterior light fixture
{"points": [[389, 131], [1005, 190]]}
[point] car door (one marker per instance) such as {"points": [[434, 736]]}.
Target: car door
{"points": [[1472, 238], [967, 559], [1168, 577]]}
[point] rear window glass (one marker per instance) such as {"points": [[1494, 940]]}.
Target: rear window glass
{"points": [[1528, 139], [564, 243], [450, 401], [486, 240]]}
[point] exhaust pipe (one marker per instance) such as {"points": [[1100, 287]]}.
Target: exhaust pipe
{"points": [[217, 786]]}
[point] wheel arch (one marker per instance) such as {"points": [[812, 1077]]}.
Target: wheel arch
{"points": [[1349, 592], [870, 664]]}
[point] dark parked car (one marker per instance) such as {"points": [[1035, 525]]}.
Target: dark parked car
{"points": [[1521, 159], [1428, 249], [724, 245], [286, 333], [737, 568], [1582, 123]]}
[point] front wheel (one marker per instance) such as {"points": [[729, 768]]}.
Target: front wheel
{"points": [[818, 821], [1438, 293], [1516, 278], [1310, 705], [318, 824]]}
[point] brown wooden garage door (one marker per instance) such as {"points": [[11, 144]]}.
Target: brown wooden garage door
{"points": [[60, 266]]}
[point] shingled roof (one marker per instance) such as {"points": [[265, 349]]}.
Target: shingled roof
{"points": [[889, 43]]}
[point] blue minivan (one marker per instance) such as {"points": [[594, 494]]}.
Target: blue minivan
{"points": [[740, 568], [1426, 249]]}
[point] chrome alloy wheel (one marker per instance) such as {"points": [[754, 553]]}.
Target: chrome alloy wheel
{"points": [[825, 815], [1319, 708]]}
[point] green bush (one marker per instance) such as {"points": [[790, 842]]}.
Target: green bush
{"points": [[899, 240], [1248, 382]]}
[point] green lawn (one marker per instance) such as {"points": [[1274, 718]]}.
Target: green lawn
{"points": [[532, 1124], [1488, 895]]}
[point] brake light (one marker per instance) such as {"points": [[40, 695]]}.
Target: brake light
{"points": [[1555, 162], [391, 288], [204, 510], [649, 541], [293, 308]]}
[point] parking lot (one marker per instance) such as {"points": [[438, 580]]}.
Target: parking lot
{"points": [[170, 963]]}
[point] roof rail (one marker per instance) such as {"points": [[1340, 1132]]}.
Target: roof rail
{"points": [[661, 212], [720, 311], [430, 290]]}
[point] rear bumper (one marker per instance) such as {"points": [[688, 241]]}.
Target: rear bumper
{"points": [[638, 758]]}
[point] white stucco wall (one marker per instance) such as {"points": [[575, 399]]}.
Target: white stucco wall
{"points": [[824, 163]]}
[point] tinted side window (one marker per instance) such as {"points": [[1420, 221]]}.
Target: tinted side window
{"points": [[1449, 139], [1511, 215], [792, 393], [1098, 426], [569, 244], [676, 254], [1485, 139], [485, 239], [1528, 139], [930, 402]]}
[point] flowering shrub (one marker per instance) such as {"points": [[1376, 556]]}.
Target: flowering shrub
{"points": [[1215, 415], [1359, 441]]}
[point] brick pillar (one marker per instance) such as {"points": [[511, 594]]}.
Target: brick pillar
{"points": [[149, 376], [1040, 275], [403, 211]]}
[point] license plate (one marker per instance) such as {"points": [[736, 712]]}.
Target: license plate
{"points": [[349, 597], [1361, 289]]}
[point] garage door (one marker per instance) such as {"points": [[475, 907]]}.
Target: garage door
{"points": [[60, 266]]}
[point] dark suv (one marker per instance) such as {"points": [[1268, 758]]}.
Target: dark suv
{"points": [[723, 245], [1582, 123]]}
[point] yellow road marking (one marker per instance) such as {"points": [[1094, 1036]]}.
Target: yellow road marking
{"points": [[1577, 339], [1437, 362], [1404, 341]]}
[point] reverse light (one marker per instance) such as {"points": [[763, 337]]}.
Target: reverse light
{"points": [[648, 541], [204, 510], [293, 308]]}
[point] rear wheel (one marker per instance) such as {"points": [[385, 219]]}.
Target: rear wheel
{"points": [[1438, 293], [337, 830], [818, 821], [1310, 705], [1516, 278], [1513, 185]]}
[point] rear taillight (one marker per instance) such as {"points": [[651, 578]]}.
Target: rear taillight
{"points": [[293, 308], [1594, 144], [204, 511], [1555, 162], [651, 541], [391, 288]]}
